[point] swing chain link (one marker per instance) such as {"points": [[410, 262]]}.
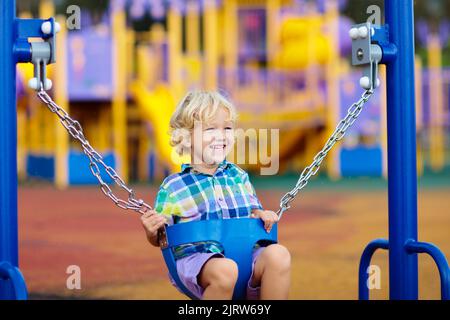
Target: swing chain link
{"points": [[340, 131], [74, 128]]}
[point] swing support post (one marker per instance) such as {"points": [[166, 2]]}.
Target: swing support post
{"points": [[15, 48], [402, 164], [8, 162], [398, 55]]}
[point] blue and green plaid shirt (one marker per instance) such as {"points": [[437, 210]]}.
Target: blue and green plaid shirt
{"points": [[190, 195]]}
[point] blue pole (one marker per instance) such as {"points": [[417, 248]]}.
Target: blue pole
{"points": [[401, 128], [8, 137], [8, 143]]}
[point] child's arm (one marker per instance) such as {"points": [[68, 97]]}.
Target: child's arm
{"points": [[268, 217], [152, 222]]}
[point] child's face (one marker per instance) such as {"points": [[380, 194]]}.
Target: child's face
{"points": [[213, 141]]}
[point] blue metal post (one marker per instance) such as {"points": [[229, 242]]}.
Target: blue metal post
{"points": [[401, 130], [14, 48], [363, 288], [8, 145]]}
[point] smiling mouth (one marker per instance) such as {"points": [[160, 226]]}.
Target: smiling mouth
{"points": [[218, 146]]}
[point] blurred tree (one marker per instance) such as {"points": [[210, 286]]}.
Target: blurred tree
{"points": [[31, 6], [433, 11], [96, 8], [357, 10]]}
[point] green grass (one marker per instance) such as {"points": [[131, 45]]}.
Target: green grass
{"points": [[286, 181]]}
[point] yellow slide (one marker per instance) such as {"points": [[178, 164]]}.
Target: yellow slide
{"points": [[157, 107]]}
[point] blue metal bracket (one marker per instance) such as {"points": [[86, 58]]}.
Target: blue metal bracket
{"points": [[367, 53], [38, 53], [380, 34], [32, 28], [364, 264], [412, 247], [12, 277], [381, 38], [439, 258]]}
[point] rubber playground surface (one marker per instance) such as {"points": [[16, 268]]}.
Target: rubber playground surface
{"points": [[325, 231]]}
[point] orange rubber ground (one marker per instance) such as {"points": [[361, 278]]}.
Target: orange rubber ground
{"points": [[325, 232]]}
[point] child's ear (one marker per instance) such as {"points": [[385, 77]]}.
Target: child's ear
{"points": [[186, 141]]}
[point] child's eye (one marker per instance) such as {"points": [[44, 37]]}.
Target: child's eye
{"points": [[229, 128], [209, 129]]}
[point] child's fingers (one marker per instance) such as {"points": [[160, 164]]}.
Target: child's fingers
{"points": [[151, 217], [161, 224], [148, 214], [162, 220], [156, 220], [157, 226], [154, 227], [153, 222], [268, 225], [270, 219], [275, 216]]}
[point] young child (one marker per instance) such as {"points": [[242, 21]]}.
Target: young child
{"points": [[210, 187]]}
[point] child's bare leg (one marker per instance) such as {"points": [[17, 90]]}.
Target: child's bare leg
{"points": [[218, 278], [273, 273]]}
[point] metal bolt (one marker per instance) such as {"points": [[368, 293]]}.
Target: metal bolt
{"points": [[360, 54]]}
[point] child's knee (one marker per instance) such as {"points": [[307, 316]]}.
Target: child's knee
{"points": [[222, 273], [277, 256]]}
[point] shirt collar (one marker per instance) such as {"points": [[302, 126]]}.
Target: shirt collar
{"points": [[187, 167]]}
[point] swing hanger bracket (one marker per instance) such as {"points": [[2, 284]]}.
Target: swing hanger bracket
{"points": [[39, 53], [370, 47]]}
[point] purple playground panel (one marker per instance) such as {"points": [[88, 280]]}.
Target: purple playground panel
{"points": [[426, 109], [90, 67], [446, 81], [90, 72], [252, 34]]}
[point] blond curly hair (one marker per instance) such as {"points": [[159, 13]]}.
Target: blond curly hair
{"points": [[196, 106]]}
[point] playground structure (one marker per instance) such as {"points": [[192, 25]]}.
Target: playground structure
{"points": [[293, 77], [402, 196]]}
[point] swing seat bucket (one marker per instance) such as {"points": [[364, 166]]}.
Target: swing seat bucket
{"points": [[237, 237]]}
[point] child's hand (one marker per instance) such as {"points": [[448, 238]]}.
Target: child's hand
{"points": [[269, 218], [151, 222]]}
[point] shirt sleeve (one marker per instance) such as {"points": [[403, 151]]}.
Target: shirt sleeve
{"points": [[254, 201], [166, 204]]}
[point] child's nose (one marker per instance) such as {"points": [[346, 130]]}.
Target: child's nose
{"points": [[221, 135]]}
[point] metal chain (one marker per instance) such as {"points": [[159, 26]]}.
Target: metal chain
{"points": [[95, 159], [340, 131]]}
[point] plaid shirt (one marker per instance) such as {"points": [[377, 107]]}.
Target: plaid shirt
{"points": [[191, 195]]}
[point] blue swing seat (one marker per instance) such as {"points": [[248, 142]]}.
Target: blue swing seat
{"points": [[237, 237]]}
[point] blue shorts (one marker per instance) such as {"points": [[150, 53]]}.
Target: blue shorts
{"points": [[189, 268]]}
